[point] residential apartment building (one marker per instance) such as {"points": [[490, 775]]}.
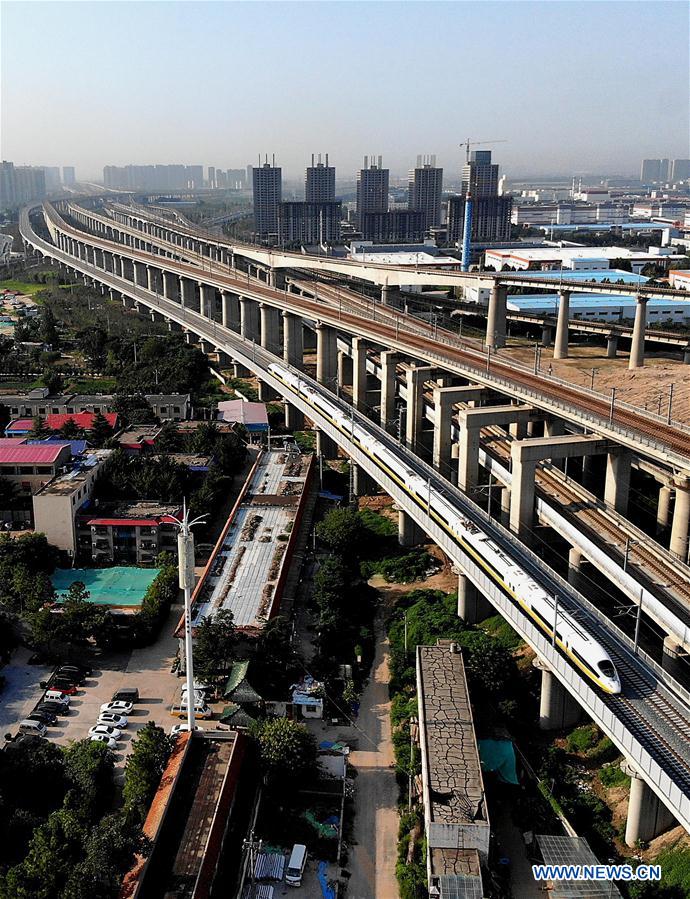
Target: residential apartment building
{"points": [[134, 533], [69, 175], [308, 223], [490, 219], [372, 189], [319, 182], [396, 226], [154, 177], [57, 504], [426, 190], [268, 190], [31, 466], [21, 184], [167, 407]]}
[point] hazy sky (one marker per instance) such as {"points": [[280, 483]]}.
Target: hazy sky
{"points": [[572, 87]]}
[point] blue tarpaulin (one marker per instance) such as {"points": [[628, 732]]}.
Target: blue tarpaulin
{"points": [[327, 891], [499, 756]]}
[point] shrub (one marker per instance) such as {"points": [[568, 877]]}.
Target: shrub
{"points": [[582, 738], [613, 776]]}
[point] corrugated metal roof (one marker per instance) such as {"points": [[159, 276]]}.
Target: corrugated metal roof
{"points": [[55, 422], [25, 454], [244, 412]]}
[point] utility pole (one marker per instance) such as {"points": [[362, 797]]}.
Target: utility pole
{"points": [[185, 555]]}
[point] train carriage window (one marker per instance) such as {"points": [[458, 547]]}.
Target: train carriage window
{"points": [[606, 668]]}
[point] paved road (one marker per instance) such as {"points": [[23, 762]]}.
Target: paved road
{"points": [[374, 851], [21, 691]]}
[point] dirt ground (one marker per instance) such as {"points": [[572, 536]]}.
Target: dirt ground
{"points": [[646, 387]]}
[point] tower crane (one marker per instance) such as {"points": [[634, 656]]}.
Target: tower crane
{"points": [[467, 224]]}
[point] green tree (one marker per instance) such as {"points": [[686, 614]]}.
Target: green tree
{"points": [[144, 768], [287, 750], [108, 852], [214, 645], [52, 852], [48, 331], [70, 430], [53, 380], [8, 495], [39, 429], [341, 530], [89, 771], [100, 430]]}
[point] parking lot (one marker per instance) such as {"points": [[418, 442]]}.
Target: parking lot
{"points": [[148, 669]]}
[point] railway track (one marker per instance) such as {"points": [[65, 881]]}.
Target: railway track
{"points": [[376, 322]]}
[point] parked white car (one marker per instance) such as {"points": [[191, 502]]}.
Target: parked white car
{"points": [[111, 719], [56, 696], [119, 707], [104, 738], [178, 729], [105, 730]]}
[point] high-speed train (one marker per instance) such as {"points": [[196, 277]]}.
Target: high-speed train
{"points": [[586, 653]]}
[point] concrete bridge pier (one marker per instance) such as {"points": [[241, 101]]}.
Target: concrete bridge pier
{"points": [[409, 532], [326, 355], [294, 417], [647, 815], [187, 294], [671, 656], [140, 278], [270, 328], [617, 484], [560, 349], [639, 329], [207, 299], [230, 310], [388, 367], [557, 708], [171, 287], [344, 369], [293, 340], [362, 482], [249, 319], [663, 509], [496, 318], [574, 563], [611, 346], [472, 606], [326, 447], [152, 278], [546, 335], [415, 378], [359, 374], [686, 355], [681, 519]]}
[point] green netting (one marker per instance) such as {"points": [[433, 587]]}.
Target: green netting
{"points": [[499, 756], [121, 586]]}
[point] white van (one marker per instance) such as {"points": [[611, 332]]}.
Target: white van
{"points": [[296, 865], [32, 728]]}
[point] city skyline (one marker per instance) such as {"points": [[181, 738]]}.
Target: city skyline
{"points": [[219, 98]]}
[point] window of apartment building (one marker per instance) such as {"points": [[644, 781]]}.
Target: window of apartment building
{"points": [[44, 469], [164, 410], [15, 410], [176, 409], [42, 410], [26, 469], [70, 410]]}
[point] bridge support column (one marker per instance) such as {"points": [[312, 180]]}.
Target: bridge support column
{"points": [[344, 369], [409, 532], [326, 447], [270, 328], [207, 299], [681, 519], [546, 335], [188, 294], [294, 417], [663, 509], [560, 350], [639, 328], [686, 355], [249, 319], [293, 340], [230, 310], [444, 400], [557, 708], [152, 278], [671, 657], [415, 377], [647, 815], [362, 482], [617, 484], [496, 319], [389, 362], [359, 374], [468, 456], [522, 498], [574, 563], [472, 606], [170, 286], [385, 295], [140, 278], [611, 346], [326, 355]]}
